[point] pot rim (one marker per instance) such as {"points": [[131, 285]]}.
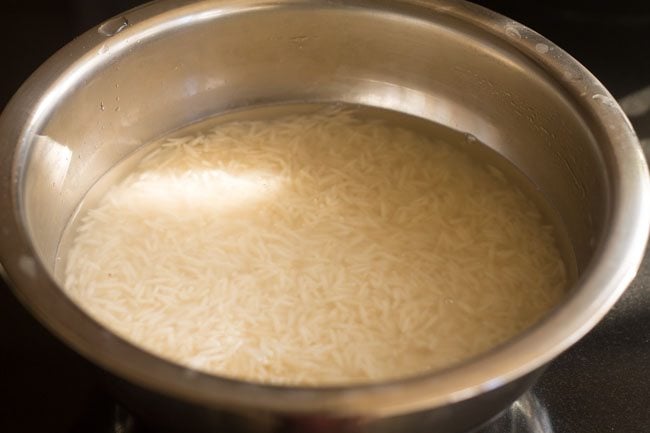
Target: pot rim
{"points": [[611, 269]]}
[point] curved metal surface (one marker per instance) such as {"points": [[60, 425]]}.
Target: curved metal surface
{"points": [[170, 63]]}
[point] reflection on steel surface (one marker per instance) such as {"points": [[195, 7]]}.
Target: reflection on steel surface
{"points": [[526, 415]]}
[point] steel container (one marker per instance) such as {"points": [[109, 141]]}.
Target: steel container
{"points": [[168, 64]]}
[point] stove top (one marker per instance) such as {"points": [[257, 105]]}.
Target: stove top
{"points": [[600, 385]]}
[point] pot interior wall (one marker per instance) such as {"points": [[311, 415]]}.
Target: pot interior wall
{"points": [[150, 79]]}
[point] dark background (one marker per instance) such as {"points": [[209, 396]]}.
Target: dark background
{"points": [[601, 385]]}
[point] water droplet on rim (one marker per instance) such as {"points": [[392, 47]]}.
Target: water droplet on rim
{"points": [[605, 100], [541, 48], [113, 26], [513, 32]]}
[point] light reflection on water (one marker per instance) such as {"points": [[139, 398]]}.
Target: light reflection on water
{"points": [[219, 191]]}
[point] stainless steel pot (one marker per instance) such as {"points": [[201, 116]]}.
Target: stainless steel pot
{"points": [[170, 63]]}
